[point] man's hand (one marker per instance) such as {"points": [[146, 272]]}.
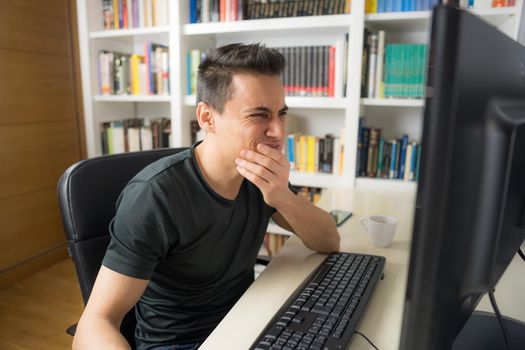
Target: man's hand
{"points": [[268, 169]]}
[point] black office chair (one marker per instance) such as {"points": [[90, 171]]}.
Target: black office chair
{"points": [[87, 193]]}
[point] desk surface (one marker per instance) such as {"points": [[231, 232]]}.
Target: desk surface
{"points": [[382, 321]]}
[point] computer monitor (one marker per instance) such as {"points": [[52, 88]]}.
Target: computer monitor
{"points": [[470, 207]]}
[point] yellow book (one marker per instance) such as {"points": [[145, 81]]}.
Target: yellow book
{"points": [[310, 153], [115, 14], [134, 72], [302, 153], [372, 6]]}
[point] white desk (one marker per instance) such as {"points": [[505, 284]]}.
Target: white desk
{"points": [[382, 321]]}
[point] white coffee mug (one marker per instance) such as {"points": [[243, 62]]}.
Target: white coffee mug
{"points": [[381, 229]]}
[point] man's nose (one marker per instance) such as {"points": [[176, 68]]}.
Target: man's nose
{"points": [[276, 128]]}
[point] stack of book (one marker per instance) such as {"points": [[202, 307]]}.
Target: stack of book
{"points": [[379, 6], [125, 14], [312, 71], [393, 70], [193, 59], [135, 74], [204, 11], [312, 154], [387, 159], [316, 71], [131, 135]]}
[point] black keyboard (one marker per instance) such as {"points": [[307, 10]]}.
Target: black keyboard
{"points": [[325, 310]]}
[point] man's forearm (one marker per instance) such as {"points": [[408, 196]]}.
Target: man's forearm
{"points": [[98, 333], [314, 226]]}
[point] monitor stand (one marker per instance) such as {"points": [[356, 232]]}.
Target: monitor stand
{"points": [[483, 332]]}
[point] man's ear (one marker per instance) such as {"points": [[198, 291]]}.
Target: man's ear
{"points": [[205, 117]]}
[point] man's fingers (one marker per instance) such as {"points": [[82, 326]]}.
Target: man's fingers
{"points": [[273, 153], [253, 178], [256, 169]]}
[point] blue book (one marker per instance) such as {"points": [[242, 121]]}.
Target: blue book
{"points": [[413, 161], [381, 6], [389, 6], [291, 150], [402, 157], [193, 11], [393, 152]]}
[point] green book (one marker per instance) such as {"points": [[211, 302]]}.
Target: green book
{"points": [[380, 157]]}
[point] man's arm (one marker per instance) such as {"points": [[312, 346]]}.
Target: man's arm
{"points": [[315, 227], [269, 170], [112, 297]]}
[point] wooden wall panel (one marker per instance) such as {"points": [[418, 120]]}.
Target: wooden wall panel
{"points": [[34, 156], [29, 222], [35, 88], [34, 25]]}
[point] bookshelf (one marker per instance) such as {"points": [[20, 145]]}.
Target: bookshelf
{"points": [[318, 115]]}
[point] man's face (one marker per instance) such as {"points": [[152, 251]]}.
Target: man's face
{"points": [[254, 114]]}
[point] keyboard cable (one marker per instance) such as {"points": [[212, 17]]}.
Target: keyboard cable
{"points": [[368, 340], [500, 319]]}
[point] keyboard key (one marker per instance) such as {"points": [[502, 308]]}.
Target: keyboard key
{"points": [[274, 332], [323, 310]]}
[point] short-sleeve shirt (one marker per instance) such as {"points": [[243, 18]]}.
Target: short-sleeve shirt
{"points": [[196, 248]]}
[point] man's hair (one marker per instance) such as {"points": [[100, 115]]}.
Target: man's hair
{"points": [[217, 69]]}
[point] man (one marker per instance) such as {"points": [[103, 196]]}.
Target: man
{"points": [[189, 226]]}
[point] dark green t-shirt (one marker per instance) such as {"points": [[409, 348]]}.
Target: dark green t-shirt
{"points": [[196, 248]]}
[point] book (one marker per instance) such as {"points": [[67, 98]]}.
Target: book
{"points": [[378, 85], [107, 14]]}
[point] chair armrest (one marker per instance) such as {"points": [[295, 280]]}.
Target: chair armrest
{"points": [[71, 330]]}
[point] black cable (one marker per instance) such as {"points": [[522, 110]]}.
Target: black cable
{"points": [[520, 252], [500, 319], [368, 340]]}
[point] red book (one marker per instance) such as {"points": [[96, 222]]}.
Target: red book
{"points": [[331, 72], [222, 11], [125, 13], [498, 3], [234, 10]]}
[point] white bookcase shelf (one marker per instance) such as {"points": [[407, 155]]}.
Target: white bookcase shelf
{"points": [[298, 102], [120, 33], [392, 102], [299, 25], [131, 98], [322, 180], [386, 184], [420, 20]]}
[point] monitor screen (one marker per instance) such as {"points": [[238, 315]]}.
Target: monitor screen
{"points": [[470, 208]]}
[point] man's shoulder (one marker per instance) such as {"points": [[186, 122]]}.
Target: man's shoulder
{"points": [[153, 171]]}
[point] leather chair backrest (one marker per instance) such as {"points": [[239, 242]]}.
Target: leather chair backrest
{"points": [[87, 194]]}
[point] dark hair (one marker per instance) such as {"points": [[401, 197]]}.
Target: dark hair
{"points": [[217, 69]]}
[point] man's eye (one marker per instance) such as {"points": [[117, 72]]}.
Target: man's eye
{"points": [[283, 114], [259, 115]]}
